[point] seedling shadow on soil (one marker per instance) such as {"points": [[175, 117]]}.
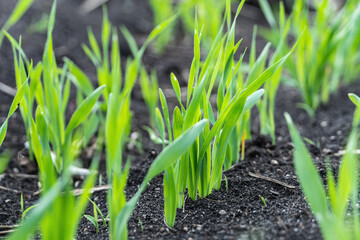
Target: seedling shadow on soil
{"points": [[236, 212]]}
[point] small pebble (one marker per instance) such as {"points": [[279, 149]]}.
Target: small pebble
{"points": [[324, 124], [7, 200], [222, 212], [162, 229], [339, 132], [186, 229], [190, 238], [134, 135], [274, 162], [332, 138], [327, 151], [199, 228]]}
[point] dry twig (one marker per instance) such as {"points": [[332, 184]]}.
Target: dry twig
{"points": [[257, 175]]}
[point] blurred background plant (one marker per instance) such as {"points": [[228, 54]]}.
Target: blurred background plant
{"points": [[209, 12], [329, 42], [334, 206]]}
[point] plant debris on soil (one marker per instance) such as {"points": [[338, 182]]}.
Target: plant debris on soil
{"points": [[260, 198]]}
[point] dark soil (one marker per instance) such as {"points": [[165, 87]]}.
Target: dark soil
{"points": [[236, 212]]}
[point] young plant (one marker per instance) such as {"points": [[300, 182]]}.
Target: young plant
{"points": [[162, 10], [48, 133], [14, 105], [108, 66], [327, 37], [266, 105], [356, 100], [94, 219], [217, 147], [149, 90], [50, 90], [209, 11], [116, 130], [330, 205], [21, 7], [5, 156]]}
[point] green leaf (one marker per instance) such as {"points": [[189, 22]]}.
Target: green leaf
{"points": [[79, 78], [265, 7], [4, 160], [155, 139], [21, 7], [171, 153], [252, 99], [355, 99], [130, 40], [176, 87], [308, 175], [14, 105], [82, 112], [29, 226]]}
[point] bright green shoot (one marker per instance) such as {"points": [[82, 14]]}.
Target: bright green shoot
{"points": [[6, 156], [116, 130], [162, 10], [14, 105], [326, 52], [266, 106], [120, 212], [50, 90], [21, 7], [94, 219], [217, 148], [329, 207], [356, 100], [149, 89], [108, 63], [52, 143], [208, 11]]}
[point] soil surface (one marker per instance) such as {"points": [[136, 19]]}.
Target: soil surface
{"points": [[236, 211]]}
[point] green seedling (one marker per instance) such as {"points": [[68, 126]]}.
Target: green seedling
{"points": [[48, 132], [49, 89], [328, 37], [266, 106], [94, 219], [356, 100], [162, 10], [330, 205], [217, 147], [226, 183], [39, 26], [6, 156], [21, 7], [209, 11], [24, 212], [115, 135], [141, 225], [149, 90], [263, 200], [14, 105]]}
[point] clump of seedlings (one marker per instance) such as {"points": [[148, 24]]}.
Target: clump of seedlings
{"points": [[334, 206], [200, 170], [327, 49]]}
